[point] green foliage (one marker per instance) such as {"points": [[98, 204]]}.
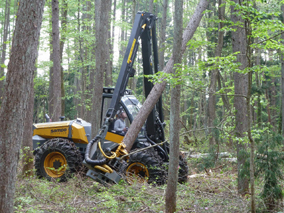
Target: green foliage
{"points": [[269, 164], [209, 161]]}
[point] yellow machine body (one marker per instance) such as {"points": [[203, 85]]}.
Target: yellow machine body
{"points": [[76, 131]]}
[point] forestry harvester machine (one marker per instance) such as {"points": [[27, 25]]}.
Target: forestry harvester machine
{"points": [[61, 148]]}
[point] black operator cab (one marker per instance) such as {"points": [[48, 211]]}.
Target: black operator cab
{"points": [[128, 110]]}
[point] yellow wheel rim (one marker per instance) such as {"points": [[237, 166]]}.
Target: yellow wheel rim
{"points": [[138, 172], [55, 164]]}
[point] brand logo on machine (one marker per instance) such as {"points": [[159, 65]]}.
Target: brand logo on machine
{"points": [[64, 130]]}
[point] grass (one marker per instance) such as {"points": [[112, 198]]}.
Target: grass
{"points": [[216, 192]]}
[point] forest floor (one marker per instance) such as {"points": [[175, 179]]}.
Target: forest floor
{"points": [[212, 190]]}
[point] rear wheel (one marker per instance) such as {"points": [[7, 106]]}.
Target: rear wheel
{"points": [[145, 166], [57, 158]]}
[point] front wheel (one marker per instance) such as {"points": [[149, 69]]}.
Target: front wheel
{"points": [[57, 158], [145, 166]]}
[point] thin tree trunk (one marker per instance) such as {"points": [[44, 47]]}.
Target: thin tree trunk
{"points": [[163, 36], [4, 45], [62, 42], [214, 75], [101, 18], [108, 73], [121, 51], [157, 90], [17, 95], [50, 87], [241, 87], [27, 145], [56, 62], [112, 37], [82, 70], [170, 196], [273, 103], [252, 144], [151, 6], [282, 73]]}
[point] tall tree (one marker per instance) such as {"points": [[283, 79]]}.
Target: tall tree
{"points": [[112, 36], [239, 42], [101, 19], [4, 45], [163, 36], [122, 38], [214, 75], [108, 72], [64, 11], [158, 89], [151, 6], [56, 77], [17, 95], [282, 73], [174, 113], [27, 144]]}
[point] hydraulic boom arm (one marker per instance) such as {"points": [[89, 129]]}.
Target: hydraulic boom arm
{"points": [[143, 27]]}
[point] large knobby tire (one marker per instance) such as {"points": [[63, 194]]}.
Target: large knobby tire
{"points": [[183, 170], [145, 166], [57, 158]]}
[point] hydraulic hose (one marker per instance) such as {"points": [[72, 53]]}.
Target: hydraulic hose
{"points": [[159, 147], [102, 151], [87, 157]]}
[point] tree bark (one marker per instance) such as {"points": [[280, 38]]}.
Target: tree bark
{"points": [[17, 95], [62, 42], [239, 42], [174, 113], [101, 17], [27, 145], [108, 73], [163, 36], [282, 73], [214, 75], [112, 37], [4, 46], [121, 50], [157, 90], [50, 87], [151, 6], [56, 87]]}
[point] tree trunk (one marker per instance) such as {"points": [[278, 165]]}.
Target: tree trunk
{"points": [[163, 36], [17, 95], [62, 42], [101, 18], [157, 90], [273, 103], [239, 42], [81, 78], [121, 50], [214, 75], [282, 73], [56, 87], [108, 73], [4, 46], [27, 145], [50, 88], [112, 38], [174, 114], [151, 6]]}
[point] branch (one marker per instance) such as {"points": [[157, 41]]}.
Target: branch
{"points": [[269, 38]]}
